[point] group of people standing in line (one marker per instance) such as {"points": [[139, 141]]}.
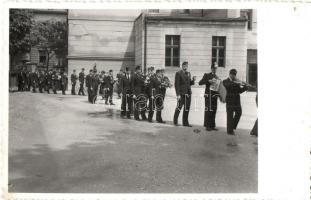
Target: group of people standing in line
{"points": [[43, 80], [142, 93]]}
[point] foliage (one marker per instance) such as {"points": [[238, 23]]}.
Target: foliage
{"points": [[50, 36], [21, 21]]}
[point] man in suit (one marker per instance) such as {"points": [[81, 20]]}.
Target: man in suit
{"points": [[233, 102], [89, 85], [34, 77], [73, 79], [183, 84], [81, 80], [41, 81], [127, 98], [54, 82], [108, 87], [155, 97], [119, 78], [63, 82], [21, 79], [102, 84], [48, 81], [94, 85], [211, 97], [140, 99]]}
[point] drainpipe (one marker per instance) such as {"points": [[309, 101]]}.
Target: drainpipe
{"points": [[145, 43]]}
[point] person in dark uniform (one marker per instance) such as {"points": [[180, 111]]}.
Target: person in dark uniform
{"points": [[54, 82], [102, 83], [211, 97], [119, 78], [94, 85], [254, 130], [233, 103], [108, 87], [150, 74], [21, 80], [140, 99], [34, 77], [127, 98], [156, 97], [48, 81], [63, 82], [88, 80], [183, 82], [73, 79], [41, 81], [28, 80], [81, 80]]}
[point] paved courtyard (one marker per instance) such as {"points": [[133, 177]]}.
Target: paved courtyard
{"points": [[64, 144]]}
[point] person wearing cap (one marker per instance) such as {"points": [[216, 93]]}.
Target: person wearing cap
{"points": [[139, 96], [127, 96], [210, 98], [108, 87], [233, 102], [73, 79], [149, 76], [183, 82], [81, 80], [156, 102], [89, 85]]}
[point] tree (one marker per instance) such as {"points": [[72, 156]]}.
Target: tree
{"points": [[51, 37], [21, 21]]}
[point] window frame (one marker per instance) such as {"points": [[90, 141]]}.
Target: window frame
{"points": [[172, 47], [218, 48]]}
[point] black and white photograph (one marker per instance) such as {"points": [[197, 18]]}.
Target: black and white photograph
{"points": [[133, 101]]}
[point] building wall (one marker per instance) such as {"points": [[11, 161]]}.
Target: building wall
{"points": [[139, 41], [104, 37], [252, 34], [196, 46]]}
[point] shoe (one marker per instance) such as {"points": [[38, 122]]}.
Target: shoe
{"points": [[209, 129], [106, 103], [215, 129], [161, 121], [112, 104], [187, 125], [150, 120], [129, 117], [231, 133]]}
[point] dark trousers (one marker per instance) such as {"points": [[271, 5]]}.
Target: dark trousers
{"points": [[34, 88], [156, 104], [47, 87], [108, 95], [73, 88], [89, 94], [210, 110], [140, 104], [233, 117], [81, 89], [184, 101], [255, 129], [41, 87], [127, 101], [63, 88]]}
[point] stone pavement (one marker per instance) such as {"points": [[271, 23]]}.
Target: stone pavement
{"points": [[64, 144]]}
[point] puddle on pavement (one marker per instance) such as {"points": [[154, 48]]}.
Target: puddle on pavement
{"points": [[109, 113]]}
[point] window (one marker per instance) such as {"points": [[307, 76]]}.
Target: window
{"points": [[42, 57], [219, 50], [172, 50]]}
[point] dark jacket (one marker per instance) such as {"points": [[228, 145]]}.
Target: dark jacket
{"points": [[126, 85], [138, 83], [88, 80], [81, 78], [154, 86], [73, 78], [205, 81], [108, 82], [233, 93], [183, 83]]}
